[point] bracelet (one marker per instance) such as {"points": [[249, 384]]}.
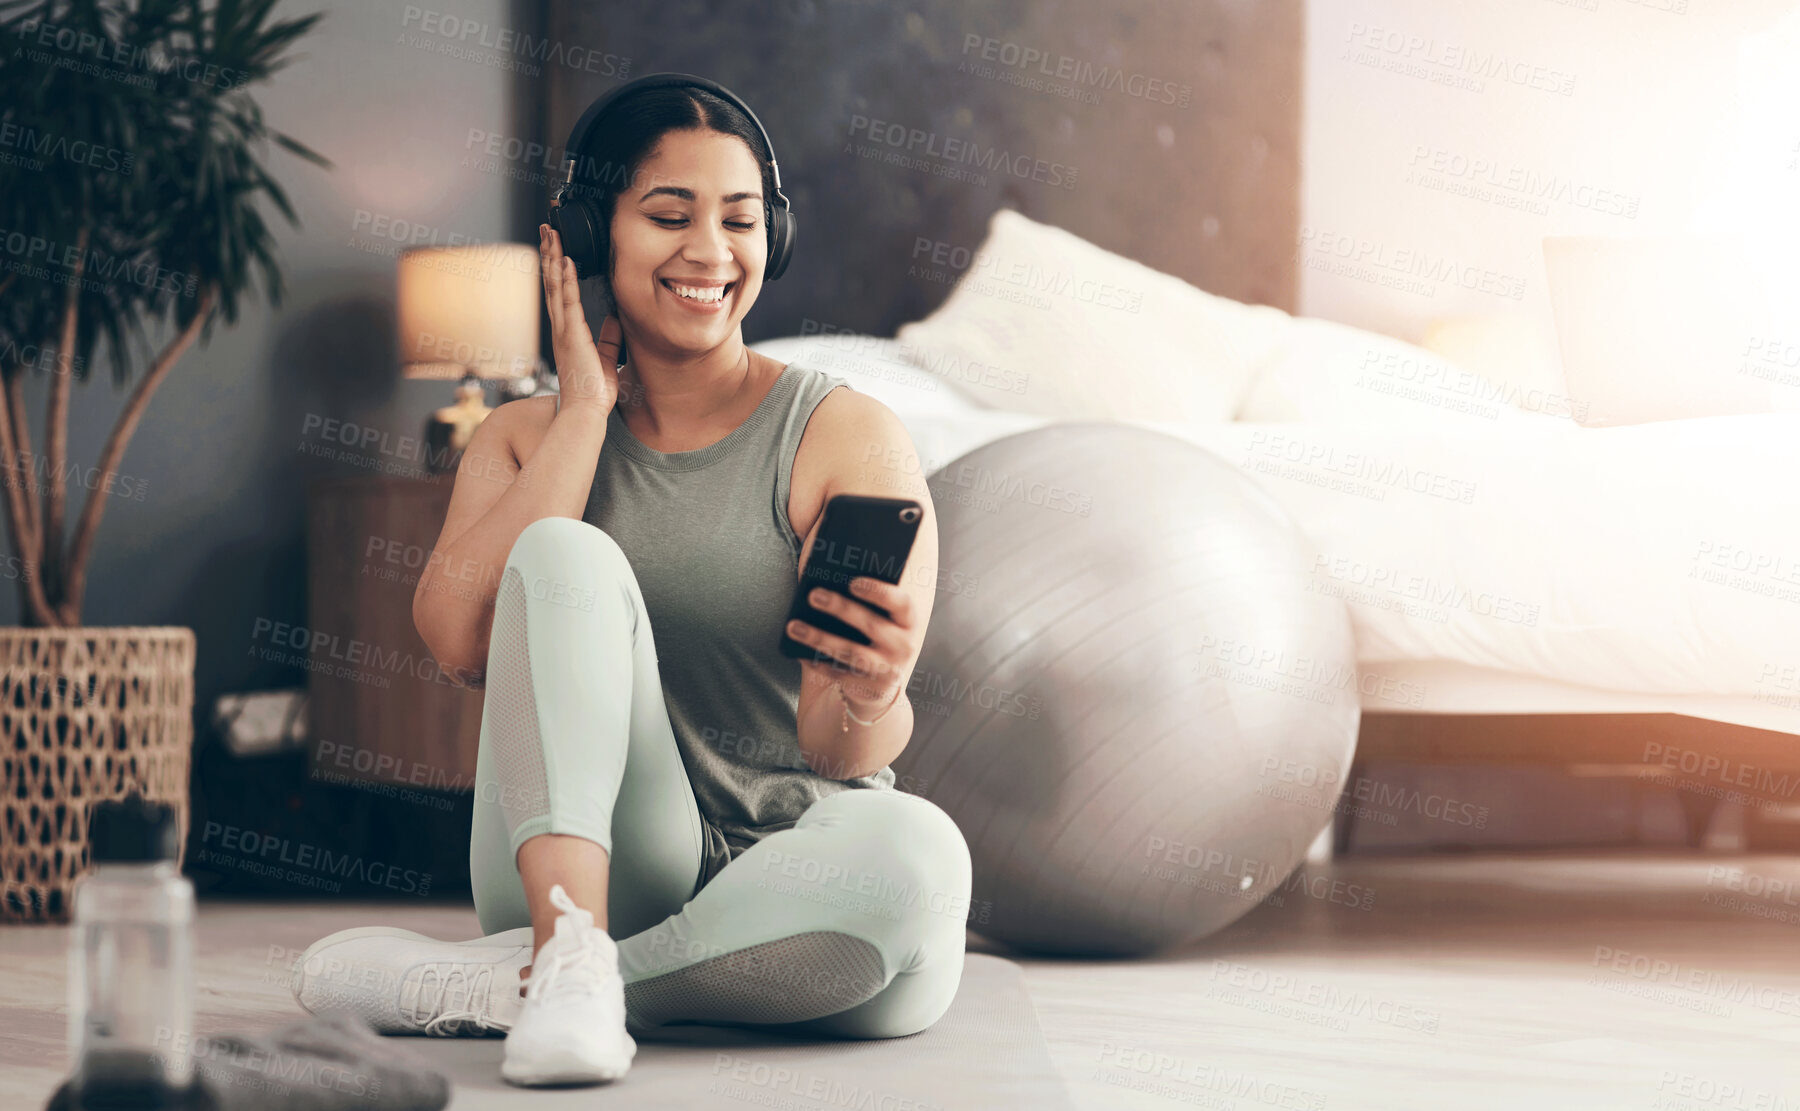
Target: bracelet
{"points": [[848, 716]]}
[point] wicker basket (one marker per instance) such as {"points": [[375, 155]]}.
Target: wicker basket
{"points": [[88, 714]]}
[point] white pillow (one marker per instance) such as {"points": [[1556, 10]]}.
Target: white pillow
{"points": [[874, 365], [1514, 356], [1045, 322], [1659, 327], [1335, 374]]}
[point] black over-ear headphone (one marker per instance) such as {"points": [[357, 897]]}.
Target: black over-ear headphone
{"points": [[578, 221]]}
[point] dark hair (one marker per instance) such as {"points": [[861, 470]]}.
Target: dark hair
{"points": [[630, 130]]}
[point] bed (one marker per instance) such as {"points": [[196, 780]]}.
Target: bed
{"points": [[1619, 601]]}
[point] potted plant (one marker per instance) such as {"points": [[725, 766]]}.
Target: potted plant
{"points": [[129, 199]]}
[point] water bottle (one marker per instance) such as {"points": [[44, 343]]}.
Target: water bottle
{"points": [[131, 984]]}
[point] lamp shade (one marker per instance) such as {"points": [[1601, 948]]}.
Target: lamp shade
{"points": [[469, 309]]}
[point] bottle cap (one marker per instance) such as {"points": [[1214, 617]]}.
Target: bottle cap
{"points": [[132, 829]]}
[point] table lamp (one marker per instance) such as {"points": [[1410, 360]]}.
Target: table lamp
{"points": [[468, 313]]}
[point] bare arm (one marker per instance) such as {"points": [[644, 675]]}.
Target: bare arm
{"points": [[866, 429], [497, 493], [495, 497]]}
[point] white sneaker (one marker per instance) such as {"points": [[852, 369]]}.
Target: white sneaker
{"points": [[572, 1027], [406, 983]]}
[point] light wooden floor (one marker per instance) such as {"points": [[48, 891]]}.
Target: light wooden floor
{"points": [[1466, 982]]}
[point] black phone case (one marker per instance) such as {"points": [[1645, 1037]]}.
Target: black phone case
{"points": [[861, 535]]}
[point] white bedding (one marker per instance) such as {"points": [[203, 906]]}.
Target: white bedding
{"points": [[1660, 558], [1656, 558]]}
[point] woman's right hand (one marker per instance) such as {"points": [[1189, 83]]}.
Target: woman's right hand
{"points": [[586, 369]]}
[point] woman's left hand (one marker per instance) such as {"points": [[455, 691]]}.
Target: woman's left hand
{"points": [[872, 671]]}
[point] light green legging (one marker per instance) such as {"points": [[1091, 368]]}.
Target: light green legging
{"points": [[848, 924]]}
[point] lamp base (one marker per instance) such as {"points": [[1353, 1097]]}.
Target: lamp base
{"points": [[448, 430]]}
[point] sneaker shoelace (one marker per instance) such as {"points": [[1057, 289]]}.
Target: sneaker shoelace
{"points": [[434, 985], [577, 967]]}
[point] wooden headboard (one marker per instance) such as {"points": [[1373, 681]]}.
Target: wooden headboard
{"points": [[1167, 132]]}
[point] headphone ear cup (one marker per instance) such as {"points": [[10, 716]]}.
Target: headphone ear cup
{"points": [[781, 247], [578, 227]]}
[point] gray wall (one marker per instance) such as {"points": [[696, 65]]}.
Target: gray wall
{"points": [[219, 539]]}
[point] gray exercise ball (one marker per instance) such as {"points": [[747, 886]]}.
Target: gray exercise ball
{"points": [[1131, 697]]}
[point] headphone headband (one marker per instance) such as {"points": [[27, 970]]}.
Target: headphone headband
{"points": [[578, 135]]}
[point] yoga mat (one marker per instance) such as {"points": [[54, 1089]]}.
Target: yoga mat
{"points": [[986, 1052]]}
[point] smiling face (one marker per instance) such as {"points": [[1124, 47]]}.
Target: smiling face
{"points": [[689, 225]]}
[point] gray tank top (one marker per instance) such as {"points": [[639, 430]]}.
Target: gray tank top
{"points": [[708, 536]]}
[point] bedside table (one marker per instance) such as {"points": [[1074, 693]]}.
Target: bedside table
{"points": [[380, 709]]}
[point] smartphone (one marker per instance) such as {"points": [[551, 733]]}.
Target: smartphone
{"points": [[860, 535]]}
